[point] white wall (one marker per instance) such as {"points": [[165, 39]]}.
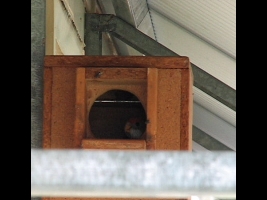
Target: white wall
{"points": [[65, 28]]}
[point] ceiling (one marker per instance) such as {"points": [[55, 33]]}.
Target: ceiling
{"points": [[204, 31]]}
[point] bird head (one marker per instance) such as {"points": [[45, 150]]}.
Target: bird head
{"points": [[134, 127]]}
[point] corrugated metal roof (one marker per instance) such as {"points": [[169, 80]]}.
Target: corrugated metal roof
{"points": [[213, 21]]}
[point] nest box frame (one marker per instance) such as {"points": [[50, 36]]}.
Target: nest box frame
{"points": [[162, 84]]}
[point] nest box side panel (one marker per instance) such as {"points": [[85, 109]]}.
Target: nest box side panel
{"points": [[186, 110], [47, 108], [80, 108], [190, 99]]}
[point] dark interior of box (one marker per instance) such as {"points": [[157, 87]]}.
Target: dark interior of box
{"points": [[111, 111]]}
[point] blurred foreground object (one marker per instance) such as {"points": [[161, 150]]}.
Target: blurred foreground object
{"points": [[142, 174]]}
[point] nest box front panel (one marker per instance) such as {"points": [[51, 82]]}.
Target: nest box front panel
{"points": [[112, 96], [168, 109], [59, 107], [74, 86]]}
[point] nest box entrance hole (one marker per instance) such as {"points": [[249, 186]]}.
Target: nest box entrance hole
{"points": [[110, 112]]}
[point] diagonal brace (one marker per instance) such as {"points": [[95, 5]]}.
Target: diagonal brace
{"points": [[149, 47]]}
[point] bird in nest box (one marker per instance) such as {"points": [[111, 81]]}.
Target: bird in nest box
{"points": [[134, 128]]}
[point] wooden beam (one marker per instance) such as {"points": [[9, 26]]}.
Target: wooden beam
{"points": [[113, 144], [152, 97], [166, 62]]}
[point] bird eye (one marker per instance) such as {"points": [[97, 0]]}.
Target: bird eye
{"points": [[137, 123]]}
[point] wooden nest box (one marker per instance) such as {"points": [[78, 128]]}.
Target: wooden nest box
{"points": [[88, 99]]}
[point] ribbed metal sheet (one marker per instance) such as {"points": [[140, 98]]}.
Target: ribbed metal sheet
{"points": [[214, 126], [214, 106], [213, 21], [201, 53]]}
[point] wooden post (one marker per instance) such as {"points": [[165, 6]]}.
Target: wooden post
{"points": [[152, 100]]}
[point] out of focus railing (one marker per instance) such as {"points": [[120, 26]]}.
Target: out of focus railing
{"points": [[150, 174]]}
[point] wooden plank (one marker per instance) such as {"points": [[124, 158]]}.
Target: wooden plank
{"points": [[95, 198], [63, 108], [168, 109], [165, 62], [47, 111], [113, 144], [99, 73], [152, 97], [186, 110], [80, 107]]}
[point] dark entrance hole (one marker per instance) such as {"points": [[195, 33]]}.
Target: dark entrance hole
{"points": [[111, 111]]}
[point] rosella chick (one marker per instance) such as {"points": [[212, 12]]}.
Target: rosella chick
{"points": [[134, 128]]}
